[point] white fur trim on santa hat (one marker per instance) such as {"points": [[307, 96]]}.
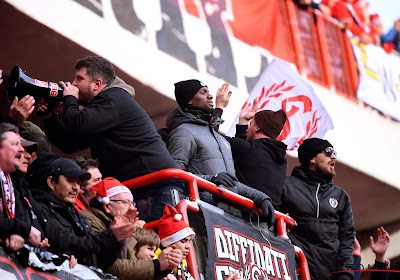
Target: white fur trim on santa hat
{"points": [[183, 233], [117, 190], [178, 217], [104, 200]]}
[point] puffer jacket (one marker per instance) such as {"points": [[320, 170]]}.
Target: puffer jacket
{"points": [[199, 149], [126, 266], [196, 147], [325, 225]]}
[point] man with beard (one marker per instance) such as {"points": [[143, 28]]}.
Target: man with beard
{"points": [[197, 148], [322, 210], [116, 129], [259, 157]]}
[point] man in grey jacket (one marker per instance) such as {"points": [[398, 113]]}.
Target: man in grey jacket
{"points": [[197, 147]]}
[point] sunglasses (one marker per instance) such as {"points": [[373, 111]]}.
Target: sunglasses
{"points": [[329, 152]]}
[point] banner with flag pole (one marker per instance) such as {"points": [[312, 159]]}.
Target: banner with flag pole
{"points": [[281, 87]]}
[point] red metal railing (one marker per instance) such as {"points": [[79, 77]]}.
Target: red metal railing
{"points": [[193, 184], [322, 48]]}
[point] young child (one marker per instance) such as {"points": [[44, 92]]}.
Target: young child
{"points": [[147, 244], [173, 231]]}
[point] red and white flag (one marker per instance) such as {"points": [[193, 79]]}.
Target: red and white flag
{"points": [[282, 87]]}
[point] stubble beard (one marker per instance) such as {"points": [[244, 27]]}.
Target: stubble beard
{"points": [[325, 171]]}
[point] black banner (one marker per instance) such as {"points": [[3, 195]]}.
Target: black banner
{"points": [[234, 245]]}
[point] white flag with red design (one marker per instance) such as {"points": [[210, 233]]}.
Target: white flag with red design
{"points": [[280, 87]]}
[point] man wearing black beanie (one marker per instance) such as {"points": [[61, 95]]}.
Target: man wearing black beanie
{"points": [[322, 210], [196, 146]]}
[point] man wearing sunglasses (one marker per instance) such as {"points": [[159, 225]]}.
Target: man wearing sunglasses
{"points": [[322, 210]]}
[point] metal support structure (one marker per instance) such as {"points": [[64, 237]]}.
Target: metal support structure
{"points": [[193, 184]]}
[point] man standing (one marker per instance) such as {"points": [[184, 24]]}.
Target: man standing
{"points": [[116, 129], [68, 231], [260, 160], [16, 215], [117, 199], [322, 210], [199, 149]]}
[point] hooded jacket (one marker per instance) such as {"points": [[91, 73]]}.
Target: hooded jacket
{"points": [[260, 164], [325, 225], [118, 131], [199, 149]]}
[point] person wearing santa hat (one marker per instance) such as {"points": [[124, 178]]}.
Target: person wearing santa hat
{"points": [[115, 199], [174, 232], [69, 232]]}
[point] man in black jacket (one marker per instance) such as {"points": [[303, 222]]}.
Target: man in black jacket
{"points": [[18, 220], [68, 231], [260, 159], [322, 210], [118, 131]]}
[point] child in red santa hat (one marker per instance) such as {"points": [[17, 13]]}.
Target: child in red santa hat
{"points": [[173, 231]]}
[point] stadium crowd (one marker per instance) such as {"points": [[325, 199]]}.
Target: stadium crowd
{"points": [[67, 208], [356, 17]]}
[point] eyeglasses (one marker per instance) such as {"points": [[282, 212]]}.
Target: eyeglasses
{"points": [[127, 203], [329, 152]]}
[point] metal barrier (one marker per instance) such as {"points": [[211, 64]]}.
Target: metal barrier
{"points": [[193, 184], [322, 48]]}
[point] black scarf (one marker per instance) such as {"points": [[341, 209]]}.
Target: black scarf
{"points": [[199, 113]]}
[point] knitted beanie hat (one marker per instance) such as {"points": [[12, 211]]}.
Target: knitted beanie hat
{"points": [[108, 188], [172, 228], [185, 90], [270, 122], [310, 148]]}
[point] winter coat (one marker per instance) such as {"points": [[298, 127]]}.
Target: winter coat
{"points": [[199, 149], [325, 225], [69, 232], [260, 164], [27, 211], [118, 131], [126, 266]]}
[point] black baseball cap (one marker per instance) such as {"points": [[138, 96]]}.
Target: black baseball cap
{"points": [[68, 168]]}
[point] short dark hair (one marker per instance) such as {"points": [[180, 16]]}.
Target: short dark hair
{"points": [[145, 237], [4, 127], [42, 140], [85, 164], [97, 67]]}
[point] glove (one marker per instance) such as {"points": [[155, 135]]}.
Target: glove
{"points": [[223, 178], [269, 211]]}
